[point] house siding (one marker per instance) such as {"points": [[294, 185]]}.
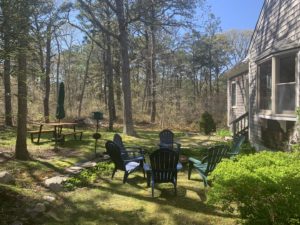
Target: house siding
{"points": [[241, 106], [279, 21]]}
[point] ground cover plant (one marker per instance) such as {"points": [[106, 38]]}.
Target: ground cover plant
{"points": [[263, 187], [92, 197]]}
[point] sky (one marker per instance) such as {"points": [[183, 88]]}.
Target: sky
{"points": [[236, 14]]}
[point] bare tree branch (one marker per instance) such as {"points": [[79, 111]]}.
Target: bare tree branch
{"points": [[87, 34], [95, 21]]}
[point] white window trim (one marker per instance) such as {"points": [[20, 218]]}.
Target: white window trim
{"points": [[233, 106]]}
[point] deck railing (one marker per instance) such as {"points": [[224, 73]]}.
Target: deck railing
{"points": [[240, 125]]}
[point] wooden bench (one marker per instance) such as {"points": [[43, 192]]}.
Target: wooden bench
{"points": [[39, 132], [74, 133]]}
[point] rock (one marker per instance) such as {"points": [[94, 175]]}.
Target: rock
{"points": [[6, 177], [17, 223], [106, 157], [74, 169], [49, 198], [55, 183], [39, 207], [88, 164], [228, 138]]}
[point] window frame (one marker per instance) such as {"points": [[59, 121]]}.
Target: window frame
{"points": [[275, 64], [264, 111]]}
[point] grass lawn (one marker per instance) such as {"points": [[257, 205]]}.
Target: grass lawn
{"points": [[104, 201]]}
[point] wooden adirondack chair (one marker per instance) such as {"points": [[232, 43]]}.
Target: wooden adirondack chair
{"points": [[162, 169], [126, 165], [236, 147], [207, 164], [132, 152], [166, 140]]}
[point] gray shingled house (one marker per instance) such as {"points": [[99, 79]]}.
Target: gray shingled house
{"points": [[263, 91]]}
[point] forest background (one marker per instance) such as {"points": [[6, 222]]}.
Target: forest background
{"points": [[139, 61]]}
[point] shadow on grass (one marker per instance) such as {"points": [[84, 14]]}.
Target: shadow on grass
{"points": [[14, 203], [180, 201]]}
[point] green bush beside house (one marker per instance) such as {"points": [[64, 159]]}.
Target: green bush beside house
{"points": [[263, 187]]}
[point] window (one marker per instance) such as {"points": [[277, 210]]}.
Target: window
{"points": [[286, 84], [277, 84], [233, 94], [265, 85]]}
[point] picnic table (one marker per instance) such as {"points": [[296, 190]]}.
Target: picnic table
{"points": [[57, 128]]}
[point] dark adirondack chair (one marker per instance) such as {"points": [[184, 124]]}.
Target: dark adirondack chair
{"points": [[128, 166], [208, 163], [166, 140], [131, 152], [236, 146], [162, 169]]}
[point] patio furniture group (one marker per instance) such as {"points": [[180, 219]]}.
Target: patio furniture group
{"points": [[164, 162]]}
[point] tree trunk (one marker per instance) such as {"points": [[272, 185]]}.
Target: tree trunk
{"points": [[118, 82], [7, 92], [87, 65], [110, 84], [105, 70], [126, 86], [7, 68], [153, 69], [147, 90], [47, 72], [23, 30]]}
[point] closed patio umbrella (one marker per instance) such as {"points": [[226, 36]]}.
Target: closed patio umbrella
{"points": [[60, 111]]}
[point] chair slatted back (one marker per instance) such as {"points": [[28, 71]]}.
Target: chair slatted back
{"points": [[166, 137], [115, 154], [163, 164], [237, 142], [215, 155], [118, 140]]}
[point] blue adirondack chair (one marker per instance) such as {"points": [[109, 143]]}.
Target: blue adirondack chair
{"points": [[132, 152], [126, 165], [208, 163], [236, 146], [166, 140], [162, 168]]}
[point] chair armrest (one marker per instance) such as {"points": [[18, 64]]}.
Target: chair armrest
{"points": [[194, 160], [134, 153], [204, 159], [135, 148], [147, 167], [178, 146], [163, 145]]}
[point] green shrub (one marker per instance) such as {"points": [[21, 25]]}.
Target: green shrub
{"points": [[264, 188], [207, 123], [295, 148]]}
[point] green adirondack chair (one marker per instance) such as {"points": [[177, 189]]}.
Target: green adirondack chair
{"points": [[162, 168], [236, 147], [208, 163]]}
